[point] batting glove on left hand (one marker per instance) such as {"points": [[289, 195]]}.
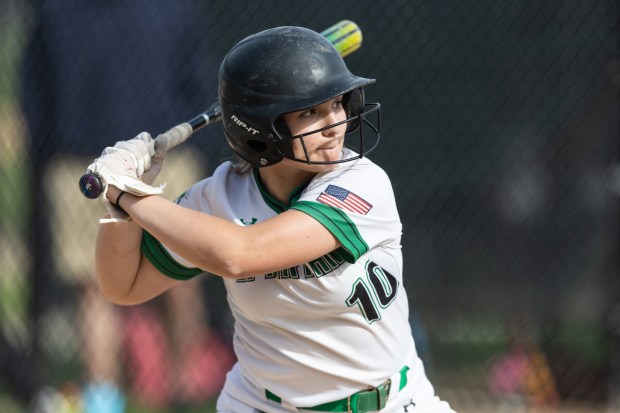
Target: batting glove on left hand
{"points": [[122, 166]]}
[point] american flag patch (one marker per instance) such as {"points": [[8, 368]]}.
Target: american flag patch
{"points": [[341, 198]]}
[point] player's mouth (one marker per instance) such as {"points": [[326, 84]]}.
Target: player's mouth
{"points": [[335, 143], [330, 152]]}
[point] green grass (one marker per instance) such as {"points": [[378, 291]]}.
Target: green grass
{"points": [[13, 225], [13, 203], [8, 405], [206, 408], [13, 199], [12, 39], [589, 342]]}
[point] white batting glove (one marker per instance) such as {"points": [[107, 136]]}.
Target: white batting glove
{"points": [[124, 164]]}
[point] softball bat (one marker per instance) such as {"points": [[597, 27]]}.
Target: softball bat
{"points": [[346, 37]]}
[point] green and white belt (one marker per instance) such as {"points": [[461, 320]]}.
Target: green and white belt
{"points": [[368, 400]]}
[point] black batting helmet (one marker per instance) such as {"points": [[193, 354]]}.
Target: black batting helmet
{"points": [[281, 70]]}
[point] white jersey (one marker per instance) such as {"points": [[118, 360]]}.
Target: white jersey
{"points": [[328, 328]]}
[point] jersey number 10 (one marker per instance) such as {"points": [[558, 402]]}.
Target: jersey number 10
{"points": [[374, 293]]}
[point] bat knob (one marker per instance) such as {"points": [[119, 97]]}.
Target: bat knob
{"points": [[91, 186]]}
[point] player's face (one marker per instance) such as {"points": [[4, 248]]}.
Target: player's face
{"points": [[322, 146]]}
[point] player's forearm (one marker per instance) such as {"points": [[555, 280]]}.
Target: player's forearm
{"points": [[223, 248], [117, 259], [209, 243]]}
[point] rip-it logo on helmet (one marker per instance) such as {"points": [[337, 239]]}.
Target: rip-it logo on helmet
{"points": [[244, 125]]}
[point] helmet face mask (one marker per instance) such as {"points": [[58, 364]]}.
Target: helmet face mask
{"points": [[358, 127], [283, 70]]}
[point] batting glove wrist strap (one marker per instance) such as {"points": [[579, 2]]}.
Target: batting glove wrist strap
{"points": [[115, 211]]}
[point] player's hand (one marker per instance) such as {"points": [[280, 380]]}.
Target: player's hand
{"points": [[157, 161], [126, 166], [135, 154], [123, 164]]}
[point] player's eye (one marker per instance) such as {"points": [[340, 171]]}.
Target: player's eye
{"points": [[307, 113]]}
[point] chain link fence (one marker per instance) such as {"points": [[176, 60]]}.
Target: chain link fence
{"points": [[500, 133]]}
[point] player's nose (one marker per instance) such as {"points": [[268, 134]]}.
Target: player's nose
{"points": [[330, 119]]}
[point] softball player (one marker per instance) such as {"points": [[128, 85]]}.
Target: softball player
{"points": [[304, 231]]}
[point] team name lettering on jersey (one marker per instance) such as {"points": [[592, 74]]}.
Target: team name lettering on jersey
{"points": [[373, 291], [184, 195], [324, 265], [247, 222], [315, 268], [283, 274]]}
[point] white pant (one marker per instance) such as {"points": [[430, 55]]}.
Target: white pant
{"points": [[418, 396]]}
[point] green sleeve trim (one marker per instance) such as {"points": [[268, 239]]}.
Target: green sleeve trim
{"points": [[155, 252], [339, 224]]}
